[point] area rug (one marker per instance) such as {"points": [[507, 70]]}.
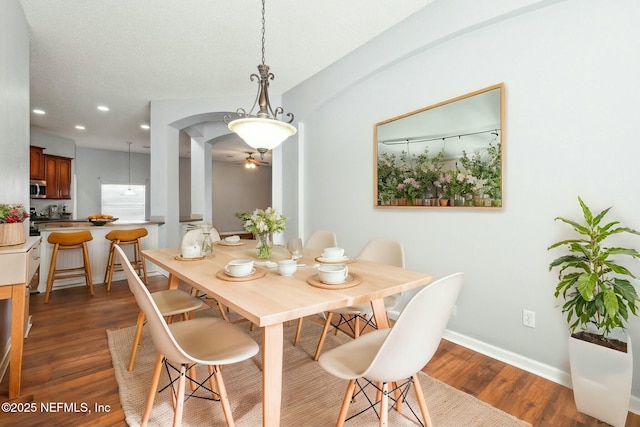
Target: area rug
{"points": [[310, 396]]}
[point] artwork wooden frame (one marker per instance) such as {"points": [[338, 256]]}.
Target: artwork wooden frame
{"points": [[449, 154]]}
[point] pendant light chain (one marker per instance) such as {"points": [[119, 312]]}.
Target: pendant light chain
{"points": [[263, 38]]}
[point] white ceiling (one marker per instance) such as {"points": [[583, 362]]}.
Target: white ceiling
{"points": [[125, 53]]}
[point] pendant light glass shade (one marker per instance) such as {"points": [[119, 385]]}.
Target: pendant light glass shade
{"points": [[262, 133]]}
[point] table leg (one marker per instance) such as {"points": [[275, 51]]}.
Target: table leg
{"points": [[380, 313], [272, 358], [173, 281], [17, 338]]}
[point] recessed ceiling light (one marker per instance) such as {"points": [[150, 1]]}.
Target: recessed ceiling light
{"points": [[103, 108], [80, 127], [145, 127], [38, 111]]}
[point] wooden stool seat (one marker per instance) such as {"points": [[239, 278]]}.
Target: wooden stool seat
{"points": [[63, 241], [123, 238]]}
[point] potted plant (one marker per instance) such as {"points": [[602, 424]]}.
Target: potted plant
{"points": [[263, 223], [11, 227], [598, 299]]}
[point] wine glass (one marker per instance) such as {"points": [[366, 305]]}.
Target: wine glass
{"points": [[294, 246]]}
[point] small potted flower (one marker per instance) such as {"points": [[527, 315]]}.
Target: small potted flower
{"points": [[263, 223], [410, 188], [444, 185], [11, 228]]}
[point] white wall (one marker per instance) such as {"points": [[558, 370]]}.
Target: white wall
{"points": [[14, 123], [570, 70]]}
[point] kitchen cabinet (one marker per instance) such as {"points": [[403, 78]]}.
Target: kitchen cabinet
{"points": [[36, 162], [58, 177]]}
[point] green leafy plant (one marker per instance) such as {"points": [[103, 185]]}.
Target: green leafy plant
{"points": [[596, 288]]}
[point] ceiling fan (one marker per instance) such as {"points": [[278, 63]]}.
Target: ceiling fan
{"points": [[251, 163]]}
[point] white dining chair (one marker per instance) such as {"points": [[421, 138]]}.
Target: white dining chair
{"points": [[357, 317], [180, 346], [321, 239], [395, 355], [318, 240]]}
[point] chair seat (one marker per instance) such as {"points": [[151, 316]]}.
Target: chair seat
{"points": [[175, 301], [126, 235], [340, 362], [212, 341]]}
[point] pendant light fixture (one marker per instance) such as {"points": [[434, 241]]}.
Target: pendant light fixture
{"points": [[262, 131], [129, 191]]}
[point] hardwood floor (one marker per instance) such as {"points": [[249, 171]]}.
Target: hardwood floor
{"points": [[67, 362]]}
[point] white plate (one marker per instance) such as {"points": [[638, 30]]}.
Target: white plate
{"points": [[253, 270], [333, 260]]}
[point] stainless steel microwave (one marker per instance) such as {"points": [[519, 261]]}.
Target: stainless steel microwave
{"points": [[38, 189]]}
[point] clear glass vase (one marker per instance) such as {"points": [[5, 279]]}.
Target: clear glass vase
{"points": [[265, 243], [206, 249]]}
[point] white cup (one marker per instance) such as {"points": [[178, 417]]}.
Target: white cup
{"points": [[333, 274], [192, 251], [287, 267], [232, 239], [333, 253], [239, 267]]}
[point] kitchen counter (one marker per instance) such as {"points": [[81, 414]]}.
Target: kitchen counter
{"points": [[98, 250]]}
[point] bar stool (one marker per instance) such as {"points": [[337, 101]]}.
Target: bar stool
{"points": [[122, 238], [63, 241]]}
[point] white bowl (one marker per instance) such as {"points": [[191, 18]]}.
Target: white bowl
{"points": [[239, 267], [333, 253], [333, 274], [232, 239], [190, 251], [287, 267]]}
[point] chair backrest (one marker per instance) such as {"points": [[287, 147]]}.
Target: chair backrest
{"points": [[160, 334], [415, 336], [384, 251], [321, 239]]}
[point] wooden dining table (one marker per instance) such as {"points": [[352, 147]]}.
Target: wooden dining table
{"points": [[271, 300]]}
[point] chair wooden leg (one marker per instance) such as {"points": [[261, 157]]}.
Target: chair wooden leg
{"points": [[356, 327], [141, 262], [155, 378], [212, 383], [109, 266], [224, 399], [323, 335], [112, 265], [136, 340], [87, 266], [345, 403], [298, 330], [177, 415], [222, 312], [384, 409], [426, 417], [52, 268]]}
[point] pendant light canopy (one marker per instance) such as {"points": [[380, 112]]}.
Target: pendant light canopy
{"points": [[262, 131]]}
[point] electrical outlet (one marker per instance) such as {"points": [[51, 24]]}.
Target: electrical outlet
{"points": [[529, 318], [454, 312]]}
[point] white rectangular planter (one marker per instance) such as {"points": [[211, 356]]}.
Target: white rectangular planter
{"points": [[601, 379]]}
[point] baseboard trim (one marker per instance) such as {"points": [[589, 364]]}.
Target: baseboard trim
{"points": [[542, 370]]}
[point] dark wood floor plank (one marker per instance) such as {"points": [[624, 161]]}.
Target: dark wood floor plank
{"points": [[66, 359]]}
